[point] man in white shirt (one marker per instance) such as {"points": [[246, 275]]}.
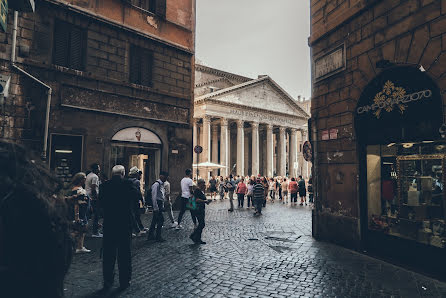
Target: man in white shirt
{"points": [[92, 187], [158, 196], [187, 189]]}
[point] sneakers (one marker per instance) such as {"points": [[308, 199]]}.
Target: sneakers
{"points": [[179, 227], [174, 225], [82, 250], [141, 233], [98, 235]]}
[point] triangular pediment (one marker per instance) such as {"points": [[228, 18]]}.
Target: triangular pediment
{"points": [[262, 94]]}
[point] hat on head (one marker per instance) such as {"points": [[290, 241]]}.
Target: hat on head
{"points": [[134, 171]]}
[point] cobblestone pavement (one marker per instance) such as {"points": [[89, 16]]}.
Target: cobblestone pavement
{"points": [[270, 256]]}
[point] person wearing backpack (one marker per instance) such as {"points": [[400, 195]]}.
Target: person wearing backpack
{"points": [[302, 191], [241, 192], [158, 196]]}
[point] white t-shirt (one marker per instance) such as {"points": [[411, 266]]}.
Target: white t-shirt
{"points": [[92, 179], [186, 183]]}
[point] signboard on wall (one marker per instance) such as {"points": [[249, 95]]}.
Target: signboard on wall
{"points": [[330, 63]]}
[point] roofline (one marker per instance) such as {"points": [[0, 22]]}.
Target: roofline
{"points": [[253, 82], [219, 72]]}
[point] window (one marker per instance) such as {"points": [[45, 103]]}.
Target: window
{"points": [[141, 66], [66, 156], [153, 6], [69, 45]]}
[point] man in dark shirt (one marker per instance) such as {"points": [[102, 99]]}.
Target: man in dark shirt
{"points": [[116, 197], [201, 200]]}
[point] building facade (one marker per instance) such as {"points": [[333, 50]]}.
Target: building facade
{"points": [[102, 81], [249, 126], [377, 127]]}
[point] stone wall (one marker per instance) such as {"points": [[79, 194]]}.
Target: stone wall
{"points": [[401, 32]]}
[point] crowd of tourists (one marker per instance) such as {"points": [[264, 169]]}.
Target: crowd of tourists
{"points": [[282, 189]]}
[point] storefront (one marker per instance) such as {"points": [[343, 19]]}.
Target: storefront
{"points": [[398, 123]]}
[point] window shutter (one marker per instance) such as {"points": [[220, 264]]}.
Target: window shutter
{"points": [[135, 64], [76, 49], [160, 8], [61, 44], [146, 68]]}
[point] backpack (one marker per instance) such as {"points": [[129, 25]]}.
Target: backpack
{"points": [[191, 203], [149, 202]]}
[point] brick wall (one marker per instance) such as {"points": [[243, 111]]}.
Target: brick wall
{"points": [[412, 31]]}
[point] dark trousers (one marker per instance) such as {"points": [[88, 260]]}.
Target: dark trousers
{"points": [[157, 223], [241, 199], [280, 193], [294, 197], [199, 214], [249, 198], [117, 246], [258, 205], [96, 215], [183, 210]]}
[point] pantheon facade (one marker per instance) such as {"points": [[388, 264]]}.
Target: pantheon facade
{"points": [[250, 126]]}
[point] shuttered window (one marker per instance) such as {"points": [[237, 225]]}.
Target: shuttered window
{"points": [[69, 45], [154, 6], [141, 61]]}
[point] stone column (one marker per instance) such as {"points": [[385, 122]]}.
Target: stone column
{"points": [[224, 147], [300, 158], [195, 140], [255, 148], [240, 148], [269, 150], [305, 172], [293, 152], [246, 154], [214, 155], [282, 152], [206, 144]]}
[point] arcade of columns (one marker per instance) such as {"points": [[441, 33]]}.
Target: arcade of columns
{"points": [[214, 135]]}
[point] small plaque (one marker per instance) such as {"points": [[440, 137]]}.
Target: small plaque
{"points": [[329, 64], [174, 151], [325, 135]]}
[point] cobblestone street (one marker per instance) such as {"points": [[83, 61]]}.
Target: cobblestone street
{"points": [[270, 256]]}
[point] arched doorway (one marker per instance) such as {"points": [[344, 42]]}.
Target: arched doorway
{"points": [[140, 147], [402, 167]]}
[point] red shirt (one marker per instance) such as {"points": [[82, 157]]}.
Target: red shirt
{"points": [[293, 187], [241, 188]]}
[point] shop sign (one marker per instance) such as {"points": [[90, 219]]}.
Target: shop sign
{"points": [[333, 133], [4, 85], [3, 13], [136, 134], [330, 63], [325, 135], [392, 97]]}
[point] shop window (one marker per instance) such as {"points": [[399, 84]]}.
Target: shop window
{"points": [[69, 45], [405, 189], [65, 156], [141, 61]]}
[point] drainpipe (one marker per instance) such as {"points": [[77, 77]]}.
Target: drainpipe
{"points": [[49, 89]]}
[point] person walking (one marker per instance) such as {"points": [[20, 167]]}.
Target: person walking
{"points": [[302, 191], [158, 197], [258, 193], [285, 191], [310, 191], [92, 184], [293, 189], [202, 201], [250, 187], [265, 188], [222, 188], [81, 204], [187, 189], [168, 204], [272, 188], [213, 188], [134, 178], [116, 197], [241, 191], [230, 185]]}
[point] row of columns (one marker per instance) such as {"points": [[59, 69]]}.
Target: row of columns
{"points": [[207, 137]]}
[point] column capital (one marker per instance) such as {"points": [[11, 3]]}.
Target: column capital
{"points": [[195, 121], [255, 125], [293, 130], [214, 128], [207, 118], [224, 121], [269, 127], [282, 129], [240, 123]]}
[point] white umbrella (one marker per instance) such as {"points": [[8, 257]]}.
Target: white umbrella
{"points": [[208, 165]]}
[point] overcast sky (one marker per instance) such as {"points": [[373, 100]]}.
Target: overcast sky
{"points": [[252, 37]]}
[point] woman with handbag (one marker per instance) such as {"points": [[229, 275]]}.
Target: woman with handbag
{"points": [[81, 204]]}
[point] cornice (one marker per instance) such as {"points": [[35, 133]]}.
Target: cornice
{"points": [[250, 108], [221, 73], [213, 81]]}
